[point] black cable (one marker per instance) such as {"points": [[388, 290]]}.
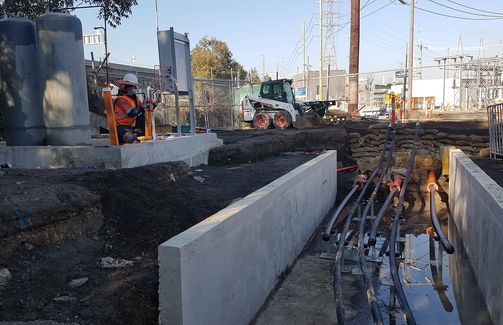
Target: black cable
{"points": [[367, 278], [463, 11], [451, 16], [462, 5], [339, 255], [394, 233], [436, 224], [375, 224]]}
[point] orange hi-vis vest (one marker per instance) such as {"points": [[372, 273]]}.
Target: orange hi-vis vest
{"points": [[124, 105]]}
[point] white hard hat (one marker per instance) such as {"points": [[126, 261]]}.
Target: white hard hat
{"points": [[129, 79]]}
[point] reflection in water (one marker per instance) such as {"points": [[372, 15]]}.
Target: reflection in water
{"points": [[469, 300], [440, 288]]}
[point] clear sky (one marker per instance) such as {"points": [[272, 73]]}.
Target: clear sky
{"points": [[272, 29]]}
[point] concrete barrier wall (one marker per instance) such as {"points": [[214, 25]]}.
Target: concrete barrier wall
{"points": [[476, 204], [194, 150], [222, 270]]}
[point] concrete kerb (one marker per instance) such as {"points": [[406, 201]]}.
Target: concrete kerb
{"points": [[194, 150], [222, 270], [476, 204]]}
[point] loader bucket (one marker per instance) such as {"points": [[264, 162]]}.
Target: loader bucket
{"points": [[304, 122]]}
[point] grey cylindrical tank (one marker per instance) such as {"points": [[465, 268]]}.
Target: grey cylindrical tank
{"points": [[20, 97], [63, 79]]}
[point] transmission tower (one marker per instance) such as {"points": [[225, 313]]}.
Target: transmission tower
{"points": [[332, 26]]}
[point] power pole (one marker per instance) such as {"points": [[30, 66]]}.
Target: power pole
{"points": [[304, 54], [354, 53], [321, 52], [263, 66], [410, 64]]}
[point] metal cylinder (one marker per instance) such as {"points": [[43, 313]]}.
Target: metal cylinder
{"points": [[63, 79], [20, 97]]}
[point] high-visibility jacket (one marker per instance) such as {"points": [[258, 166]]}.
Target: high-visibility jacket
{"points": [[123, 106]]}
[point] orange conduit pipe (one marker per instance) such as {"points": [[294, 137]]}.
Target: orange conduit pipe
{"points": [[341, 169]]}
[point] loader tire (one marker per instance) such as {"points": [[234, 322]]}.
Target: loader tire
{"points": [[261, 121], [282, 120]]}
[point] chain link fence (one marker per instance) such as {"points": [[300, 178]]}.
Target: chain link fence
{"points": [[458, 88]]}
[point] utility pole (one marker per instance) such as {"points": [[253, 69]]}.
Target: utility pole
{"points": [[321, 52], [354, 53], [443, 85], [263, 66], [420, 45], [410, 64], [304, 54]]}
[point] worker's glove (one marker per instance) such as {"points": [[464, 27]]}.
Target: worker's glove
{"points": [[137, 111], [150, 106]]}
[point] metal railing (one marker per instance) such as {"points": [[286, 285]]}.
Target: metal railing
{"points": [[495, 118]]}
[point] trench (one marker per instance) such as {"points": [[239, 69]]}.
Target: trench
{"points": [[440, 288]]}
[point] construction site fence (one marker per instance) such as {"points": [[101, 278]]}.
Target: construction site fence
{"points": [[449, 90], [217, 104], [495, 121]]}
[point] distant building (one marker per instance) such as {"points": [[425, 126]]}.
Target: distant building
{"points": [[373, 95], [429, 93]]}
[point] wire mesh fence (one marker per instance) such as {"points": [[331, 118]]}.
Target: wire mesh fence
{"points": [[457, 88], [495, 118]]}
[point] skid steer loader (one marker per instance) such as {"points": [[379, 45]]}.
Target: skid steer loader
{"points": [[276, 106]]}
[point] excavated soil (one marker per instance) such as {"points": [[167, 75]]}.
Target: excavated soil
{"points": [[57, 225]]}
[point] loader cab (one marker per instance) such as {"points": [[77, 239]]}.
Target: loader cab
{"points": [[279, 90]]}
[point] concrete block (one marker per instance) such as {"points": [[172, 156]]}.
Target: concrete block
{"points": [[476, 204], [222, 270], [194, 150]]}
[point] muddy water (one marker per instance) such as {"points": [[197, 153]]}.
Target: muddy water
{"points": [[440, 288]]}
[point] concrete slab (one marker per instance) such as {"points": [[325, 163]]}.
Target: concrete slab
{"points": [[476, 204], [193, 150], [222, 270]]}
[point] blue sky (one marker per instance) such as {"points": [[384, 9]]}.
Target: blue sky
{"points": [[253, 29]]}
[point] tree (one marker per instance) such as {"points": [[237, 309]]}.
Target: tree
{"points": [[113, 10], [213, 57]]}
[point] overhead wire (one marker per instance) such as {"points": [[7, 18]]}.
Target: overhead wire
{"points": [[463, 11], [451, 16], [487, 11]]}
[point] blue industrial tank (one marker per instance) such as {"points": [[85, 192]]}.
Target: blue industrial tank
{"points": [[63, 79], [20, 96]]}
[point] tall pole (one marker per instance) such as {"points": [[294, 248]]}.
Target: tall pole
{"points": [[307, 79], [157, 14], [106, 44], [443, 87], [263, 66], [304, 54], [410, 64], [321, 52], [354, 53]]}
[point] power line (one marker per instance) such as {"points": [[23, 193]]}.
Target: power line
{"points": [[463, 11], [451, 16], [462, 5]]}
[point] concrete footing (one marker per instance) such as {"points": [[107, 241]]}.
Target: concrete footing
{"points": [[222, 270], [193, 150], [476, 204]]}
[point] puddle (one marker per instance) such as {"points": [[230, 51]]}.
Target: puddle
{"points": [[440, 288]]}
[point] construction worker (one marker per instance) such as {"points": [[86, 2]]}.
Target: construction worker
{"points": [[129, 111]]}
